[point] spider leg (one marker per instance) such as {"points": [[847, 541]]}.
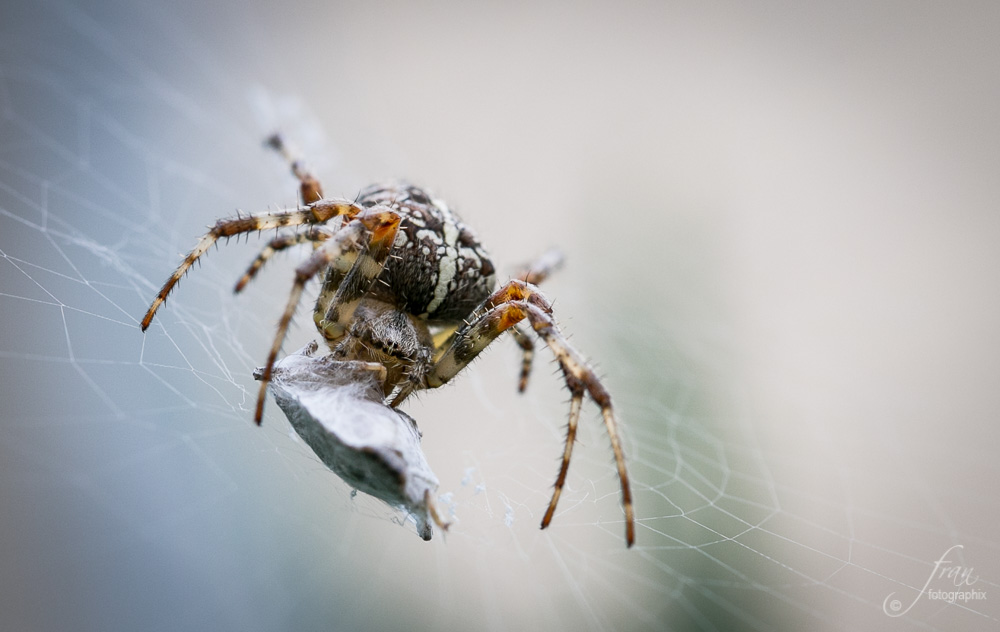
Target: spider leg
{"points": [[573, 365], [541, 267], [341, 294], [309, 187], [382, 226], [534, 273], [313, 234], [576, 390], [527, 355], [514, 302], [443, 339], [316, 213], [446, 341]]}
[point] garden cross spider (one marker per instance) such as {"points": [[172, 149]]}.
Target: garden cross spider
{"points": [[408, 288]]}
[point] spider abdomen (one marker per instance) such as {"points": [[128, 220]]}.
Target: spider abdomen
{"points": [[438, 270]]}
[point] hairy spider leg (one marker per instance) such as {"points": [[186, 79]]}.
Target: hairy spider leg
{"points": [[576, 389], [310, 191], [541, 267], [315, 213], [309, 186], [341, 294], [509, 305], [527, 345], [314, 234], [382, 226], [534, 273]]}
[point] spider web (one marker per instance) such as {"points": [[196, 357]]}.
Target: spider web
{"points": [[781, 249]]}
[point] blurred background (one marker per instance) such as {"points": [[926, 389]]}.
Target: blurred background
{"points": [[780, 224]]}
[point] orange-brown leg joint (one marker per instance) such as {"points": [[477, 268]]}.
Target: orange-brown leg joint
{"points": [[510, 316], [322, 211], [514, 290], [383, 225]]}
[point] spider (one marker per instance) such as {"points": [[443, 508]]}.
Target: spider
{"points": [[409, 290]]}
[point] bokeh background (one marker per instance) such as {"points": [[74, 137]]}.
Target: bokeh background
{"points": [[781, 227]]}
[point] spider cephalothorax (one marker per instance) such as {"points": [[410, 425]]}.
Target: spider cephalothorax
{"points": [[408, 288]]}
